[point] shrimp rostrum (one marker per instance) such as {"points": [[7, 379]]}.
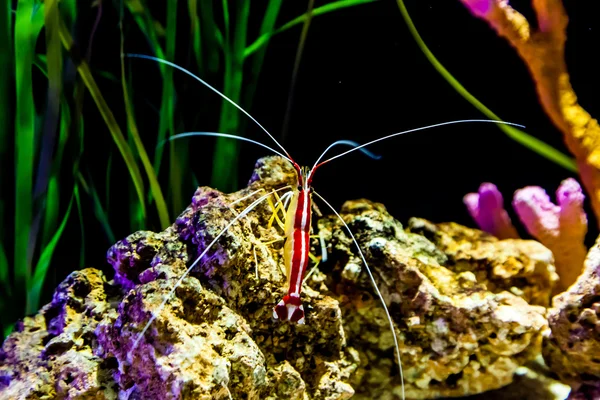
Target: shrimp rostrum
{"points": [[295, 202]]}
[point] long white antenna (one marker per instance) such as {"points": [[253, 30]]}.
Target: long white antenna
{"points": [[225, 135], [402, 133], [357, 145], [387, 313], [211, 88]]}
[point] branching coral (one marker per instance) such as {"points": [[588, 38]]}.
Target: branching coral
{"points": [[560, 227], [543, 52], [487, 209]]}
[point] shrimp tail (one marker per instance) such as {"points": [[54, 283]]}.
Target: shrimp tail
{"points": [[289, 309]]}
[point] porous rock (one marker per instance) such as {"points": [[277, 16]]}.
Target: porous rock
{"points": [[461, 331], [458, 335], [572, 349], [522, 267], [533, 381], [52, 354]]}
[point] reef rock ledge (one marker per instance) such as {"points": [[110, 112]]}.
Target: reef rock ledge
{"points": [[468, 309]]}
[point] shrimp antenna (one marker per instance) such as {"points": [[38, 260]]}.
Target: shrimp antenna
{"points": [[245, 139], [387, 313], [352, 143], [317, 164], [225, 135], [160, 60], [168, 296]]}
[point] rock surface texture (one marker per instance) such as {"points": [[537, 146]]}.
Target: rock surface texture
{"points": [[468, 309], [572, 350]]}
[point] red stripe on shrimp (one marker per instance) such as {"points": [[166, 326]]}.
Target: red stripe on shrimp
{"points": [[302, 217], [290, 307], [299, 261]]}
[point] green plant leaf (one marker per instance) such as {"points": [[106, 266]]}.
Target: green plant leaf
{"points": [[299, 51], [6, 60], [68, 10], [41, 62], [53, 194], [266, 27], [81, 229], [28, 23], [157, 194], [4, 272], [523, 138], [51, 210], [99, 212], [196, 34], [41, 268], [6, 104], [213, 36], [8, 329], [167, 101], [54, 74], [324, 9], [108, 117], [53, 103], [108, 76], [107, 183], [167, 109], [63, 137], [147, 25], [224, 172]]}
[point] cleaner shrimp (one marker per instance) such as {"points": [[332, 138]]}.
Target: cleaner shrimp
{"points": [[298, 216]]}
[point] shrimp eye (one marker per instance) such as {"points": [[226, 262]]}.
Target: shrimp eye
{"points": [[299, 187]]}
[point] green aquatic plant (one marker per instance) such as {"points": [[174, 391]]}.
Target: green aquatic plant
{"points": [[39, 143], [530, 142], [5, 143]]}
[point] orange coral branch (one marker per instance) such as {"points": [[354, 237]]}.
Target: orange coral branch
{"points": [[544, 54]]}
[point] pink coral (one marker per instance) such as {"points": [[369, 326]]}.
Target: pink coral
{"points": [[479, 8], [573, 220], [537, 213], [487, 209], [561, 228]]}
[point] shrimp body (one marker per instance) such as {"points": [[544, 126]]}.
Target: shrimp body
{"points": [[296, 254]]}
